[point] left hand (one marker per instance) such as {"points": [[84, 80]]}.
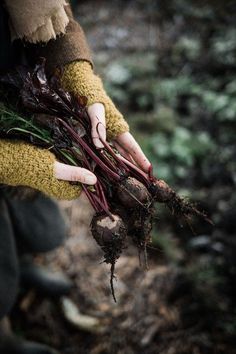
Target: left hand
{"points": [[124, 143]]}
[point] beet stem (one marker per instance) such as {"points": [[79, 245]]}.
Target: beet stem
{"points": [[100, 187], [90, 198], [109, 163], [112, 153], [103, 207], [90, 151], [138, 173]]}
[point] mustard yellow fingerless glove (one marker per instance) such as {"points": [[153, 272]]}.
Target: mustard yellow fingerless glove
{"points": [[78, 77], [23, 164]]}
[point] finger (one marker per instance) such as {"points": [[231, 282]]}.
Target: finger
{"points": [[127, 141], [123, 152], [73, 173], [96, 114]]}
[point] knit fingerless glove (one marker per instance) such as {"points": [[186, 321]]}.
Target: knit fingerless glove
{"points": [[23, 164], [78, 77]]}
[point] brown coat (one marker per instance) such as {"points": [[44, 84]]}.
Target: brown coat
{"points": [[37, 21], [69, 45], [48, 30]]}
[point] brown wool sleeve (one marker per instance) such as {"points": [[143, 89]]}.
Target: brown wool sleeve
{"points": [[64, 49]]}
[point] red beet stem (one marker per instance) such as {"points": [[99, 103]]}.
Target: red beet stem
{"points": [[98, 185], [102, 194], [106, 210], [137, 172], [90, 151], [109, 163], [90, 198], [113, 154]]}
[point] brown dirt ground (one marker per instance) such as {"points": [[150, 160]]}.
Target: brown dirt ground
{"points": [[149, 316]]}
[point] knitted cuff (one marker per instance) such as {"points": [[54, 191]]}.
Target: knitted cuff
{"points": [[22, 164], [78, 77]]}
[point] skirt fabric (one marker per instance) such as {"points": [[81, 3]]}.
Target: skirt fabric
{"points": [[27, 226]]}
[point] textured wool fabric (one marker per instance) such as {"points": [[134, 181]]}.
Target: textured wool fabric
{"points": [[37, 21], [78, 77], [22, 164], [64, 49]]}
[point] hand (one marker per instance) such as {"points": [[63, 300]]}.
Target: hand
{"points": [[124, 143], [23, 164], [78, 77], [72, 173], [96, 114], [130, 149], [77, 174]]}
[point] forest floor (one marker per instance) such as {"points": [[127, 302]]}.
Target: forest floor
{"points": [[157, 310]]}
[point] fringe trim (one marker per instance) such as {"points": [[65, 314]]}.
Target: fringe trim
{"points": [[37, 22], [54, 26]]}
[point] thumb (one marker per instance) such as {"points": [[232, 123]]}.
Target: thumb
{"points": [[96, 113], [72, 173]]}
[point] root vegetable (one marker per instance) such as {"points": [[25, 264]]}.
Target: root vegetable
{"points": [[132, 193], [110, 235], [140, 227], [162, 193]]}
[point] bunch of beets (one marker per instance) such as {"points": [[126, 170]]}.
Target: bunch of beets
{"points": [[124, 196]]}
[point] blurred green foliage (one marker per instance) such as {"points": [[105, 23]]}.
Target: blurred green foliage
{"points": [[174, 155], [180, 101], [182, 108]]}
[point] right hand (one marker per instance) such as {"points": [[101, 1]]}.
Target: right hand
{"points": [[74, 174], [23, 164]]}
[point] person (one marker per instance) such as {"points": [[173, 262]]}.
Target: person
{"points": [[30, 222]]}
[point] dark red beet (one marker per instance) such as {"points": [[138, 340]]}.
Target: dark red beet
{"points": [[110, 235], [108, 232], [161, 191], [133, 193]]}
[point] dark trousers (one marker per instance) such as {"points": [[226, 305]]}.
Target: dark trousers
{"points": [[26, 227]]}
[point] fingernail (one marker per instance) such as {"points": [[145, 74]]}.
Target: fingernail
{"points": [[99, 144], [102, 130], [90, 179]]}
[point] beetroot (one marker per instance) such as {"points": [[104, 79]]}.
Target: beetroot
{"points": [[161, 191], [123, 196], [132, 193], [180, 207], [110, 234]]}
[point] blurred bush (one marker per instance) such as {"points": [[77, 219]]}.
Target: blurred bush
{"points": [[180, 101]]}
